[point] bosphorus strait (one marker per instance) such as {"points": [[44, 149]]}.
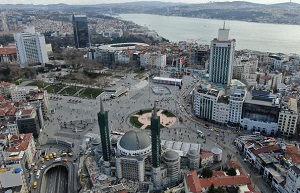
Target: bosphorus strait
{"points": [[253, 36]]}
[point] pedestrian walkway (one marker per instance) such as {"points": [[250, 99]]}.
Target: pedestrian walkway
{"points": [[78, 92], [62, 89], [139, 85], [164, 120]]}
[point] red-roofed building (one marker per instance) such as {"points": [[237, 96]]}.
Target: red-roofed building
{"points": [[2, 99], [193, 184], [8, 54], [273, 148], [4, 88], [207, 158], [22, 142], [293, 153]]}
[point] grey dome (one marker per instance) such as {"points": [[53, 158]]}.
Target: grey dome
{"points": [[216, 150], [96, 141], [192, 153], [135, 140], [171, 155]]}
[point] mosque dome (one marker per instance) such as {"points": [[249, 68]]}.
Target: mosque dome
{"points": [[192, 153], [134, 142], [171, 156]]}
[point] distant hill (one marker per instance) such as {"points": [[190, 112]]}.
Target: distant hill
{"points": [[235, 10]]}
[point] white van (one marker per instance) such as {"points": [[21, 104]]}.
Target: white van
{"points": [[200, 133]]}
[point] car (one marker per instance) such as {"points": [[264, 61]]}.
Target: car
{"points": [[70, 154], [43, 167], [65, 160], [35, 184], [63, 154], [47, 158]]}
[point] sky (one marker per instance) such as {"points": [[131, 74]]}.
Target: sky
{"points": [[86, 2]]}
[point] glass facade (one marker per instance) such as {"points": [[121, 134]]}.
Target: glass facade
{"points": [[81, 31]]}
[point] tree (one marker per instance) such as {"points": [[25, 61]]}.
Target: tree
{"points": [[231, 172], [211, 189], [207, 173]]}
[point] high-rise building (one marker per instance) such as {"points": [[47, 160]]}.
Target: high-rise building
{"points": [[31, 47], [81, 30], [221, 58], [104, 133]]}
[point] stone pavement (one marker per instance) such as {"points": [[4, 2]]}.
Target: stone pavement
{"points": [[164, 120]]}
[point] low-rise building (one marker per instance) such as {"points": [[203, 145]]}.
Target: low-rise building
{"points": [[293, 179], [28, 121], [260, 112], [153, 60], [13, 179], [22, 142]]}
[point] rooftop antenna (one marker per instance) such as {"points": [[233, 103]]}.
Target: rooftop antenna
{"points": [[224, 25]]}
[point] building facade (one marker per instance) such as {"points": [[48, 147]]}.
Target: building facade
{"points": [[205, 98], [153, 60], [236, 100], [31, 47], [81, 31], [292, 180], [221, 58], [288, 118]]}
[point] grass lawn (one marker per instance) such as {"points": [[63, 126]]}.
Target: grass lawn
{"points": [[149, 126], [38, 84], [19, 81], [168, 114], [71, 90], [54, 88], [135, 122], [91, 91], [140, 73]]}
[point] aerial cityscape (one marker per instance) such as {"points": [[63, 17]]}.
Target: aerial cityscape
{"points": [[94, 99]]}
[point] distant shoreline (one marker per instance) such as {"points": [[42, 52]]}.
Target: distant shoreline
{"points": [[208, 18]]}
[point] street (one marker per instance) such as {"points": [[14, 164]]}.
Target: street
{"points": [[140, 96]]}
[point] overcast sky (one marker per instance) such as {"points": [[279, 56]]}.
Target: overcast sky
{"points": [[121, 1]]}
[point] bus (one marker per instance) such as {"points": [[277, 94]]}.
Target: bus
{"points": [[37, 176], [35, 184], [163, 80]]}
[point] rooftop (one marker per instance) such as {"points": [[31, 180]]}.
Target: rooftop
{"points": [[225, 181], [295, 169], [261, 98], [272, 148], [192, 182], [5, 51], [10, 178]]}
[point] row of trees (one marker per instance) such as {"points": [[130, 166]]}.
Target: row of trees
{"points": [[207, 173], [11, 73]]}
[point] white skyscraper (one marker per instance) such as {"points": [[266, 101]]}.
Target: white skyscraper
{"points": [[221, 58], [31, 47]]}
